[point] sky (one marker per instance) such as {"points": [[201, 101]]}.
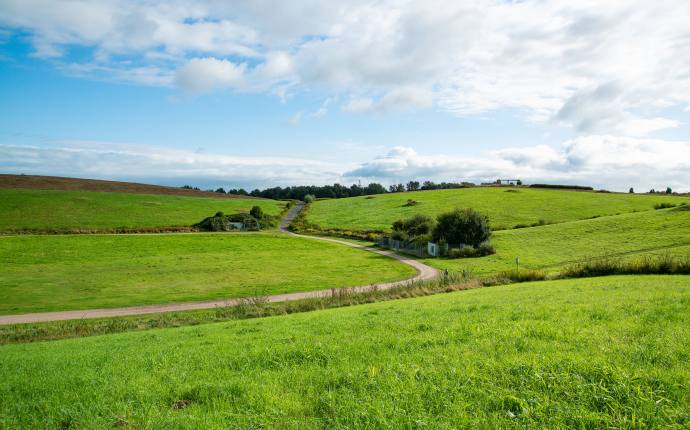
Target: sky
{"points": [[265, 93]]}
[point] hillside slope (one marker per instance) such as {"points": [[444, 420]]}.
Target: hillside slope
{"points": [[600, 353], [506, 207], [78, 184], [665, 231], [29, 209]]}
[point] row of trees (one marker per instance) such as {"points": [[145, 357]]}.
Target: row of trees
{"points": [[336, 191], [427, 185]]}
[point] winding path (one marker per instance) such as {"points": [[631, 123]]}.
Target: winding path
{"points": [[424, 272]]}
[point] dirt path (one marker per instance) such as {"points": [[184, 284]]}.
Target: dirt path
{"points": [[424, 272]]}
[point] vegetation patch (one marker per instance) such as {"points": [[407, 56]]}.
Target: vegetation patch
{"points": [[51, 211], [563, 187], [648, 264], [553, 247]]}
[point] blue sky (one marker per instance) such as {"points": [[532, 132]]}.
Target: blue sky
{"points": [[257, 94]]}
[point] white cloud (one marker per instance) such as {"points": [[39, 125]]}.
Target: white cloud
{"points": [[358, 105], [597, 66], [200, 75], [600, 160], [399, 99], [120, 161]]}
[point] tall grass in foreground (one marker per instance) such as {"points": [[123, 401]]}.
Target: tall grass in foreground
{"points": [[259, 307], [252, 307], [647, 265]]}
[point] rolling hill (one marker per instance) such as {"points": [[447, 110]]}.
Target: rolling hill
{"points": [[551, 247], [506, 207]]}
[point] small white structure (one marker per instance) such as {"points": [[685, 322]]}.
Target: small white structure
{"points": [[435, 250]]}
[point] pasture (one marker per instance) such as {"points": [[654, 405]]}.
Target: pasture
{"points": [[49, 273], [584, 353], [506, 207], [28, 209], [552, 247]]}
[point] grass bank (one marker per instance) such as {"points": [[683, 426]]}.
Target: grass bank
{"points": [[54, 211], [553, 247], [51, 273], [583, 353], [506, 207]]}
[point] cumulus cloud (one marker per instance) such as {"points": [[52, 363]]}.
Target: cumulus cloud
{"points": [[599, 160], [400, 99], [596, 66], [200, 75], [121, 161], [604, 161]]}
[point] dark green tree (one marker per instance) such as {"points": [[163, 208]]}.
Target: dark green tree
{"points": [[462, 226]]}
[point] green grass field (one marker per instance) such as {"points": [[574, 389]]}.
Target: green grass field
{"points": [[504, 207], [551, 247], [588, 353], [46, 273], [24, 209]]}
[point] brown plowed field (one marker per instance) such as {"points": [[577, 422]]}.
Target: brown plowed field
{"points": [[77, 184]]}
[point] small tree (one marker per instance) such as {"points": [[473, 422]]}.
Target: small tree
{"points": [[518, 182], [462, 226], [417, 228], [413, 186], [257, 212], [220, 190], [309, 198], [631, 190], [669, 190]]}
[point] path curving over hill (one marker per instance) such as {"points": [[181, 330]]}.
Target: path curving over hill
{"points": [[424, 272]]}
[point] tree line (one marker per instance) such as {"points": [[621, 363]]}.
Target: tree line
{"points": [[335, 191]]}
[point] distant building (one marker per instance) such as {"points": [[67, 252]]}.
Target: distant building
{"points": [[508, 181]]}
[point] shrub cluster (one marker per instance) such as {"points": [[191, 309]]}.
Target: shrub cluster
{"points": [[562, 187], [462, 226], [664, 205], [539, 223], [523, 275], [417, 228], [484, 248], [255, 220], [661, 265]]}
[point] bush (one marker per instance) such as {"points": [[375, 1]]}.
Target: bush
{"points": [[664, 264], [417, 228], [411, 202], [664, 205], [257, 212], [523, 275], [484, 248], [562, 187], [309, 198], [462, 226]]}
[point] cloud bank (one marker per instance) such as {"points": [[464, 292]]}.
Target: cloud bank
{"points": [[599, 67], [600, 161]]}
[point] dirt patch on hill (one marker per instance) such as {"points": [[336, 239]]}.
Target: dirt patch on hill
{"points": [[77, 184]]}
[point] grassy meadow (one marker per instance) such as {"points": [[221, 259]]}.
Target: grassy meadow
{"points": [[506, 207], [551, 247], [585, 353], [28, 209], [48, 273]]}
